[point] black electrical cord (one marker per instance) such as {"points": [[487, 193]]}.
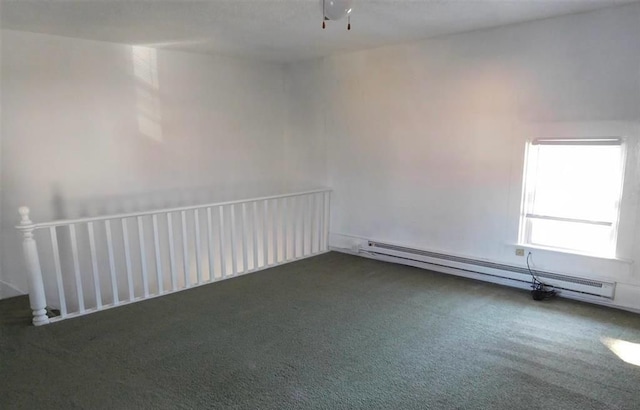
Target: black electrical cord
{"points": [[534, 280], [538, 288]]}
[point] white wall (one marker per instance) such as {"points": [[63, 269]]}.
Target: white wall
{"points": [[422, 143], [426, 140], [90, 128], [305, 142]]}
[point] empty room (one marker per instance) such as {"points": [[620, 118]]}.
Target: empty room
{"points": [[331, 204]]}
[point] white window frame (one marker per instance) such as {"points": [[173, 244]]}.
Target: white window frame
{"points": [[528, 194]]}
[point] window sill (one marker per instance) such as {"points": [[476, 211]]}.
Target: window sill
{"points": [[573, 252]]}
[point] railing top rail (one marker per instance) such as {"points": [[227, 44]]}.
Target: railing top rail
{"points": [[64, 222]]}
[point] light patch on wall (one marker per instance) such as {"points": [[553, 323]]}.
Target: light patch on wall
{"points": [[145, 65], [627, 352], [145, 70]]}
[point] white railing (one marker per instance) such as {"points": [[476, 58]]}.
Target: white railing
{"points": [[91, 264]]}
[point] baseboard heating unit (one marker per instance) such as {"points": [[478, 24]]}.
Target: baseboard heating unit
{"points": [[492, 272]]}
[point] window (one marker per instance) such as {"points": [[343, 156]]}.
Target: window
{"points": [[572, 194]]}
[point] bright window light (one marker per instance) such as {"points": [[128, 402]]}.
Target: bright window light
{"points": [[572, 194], [627, 352]]}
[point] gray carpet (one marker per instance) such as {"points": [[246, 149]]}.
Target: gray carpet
{"points": [[331, 332]]}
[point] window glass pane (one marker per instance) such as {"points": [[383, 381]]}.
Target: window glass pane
{"points": [[589, 238], [579, 182]]}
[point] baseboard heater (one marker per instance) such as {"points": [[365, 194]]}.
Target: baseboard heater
{"points": [[493, 272]]}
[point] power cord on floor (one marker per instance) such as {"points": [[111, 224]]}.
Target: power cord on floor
{"points": [[538, 288]]}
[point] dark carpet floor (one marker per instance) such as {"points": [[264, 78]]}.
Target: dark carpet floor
{"points": [[330, 332]]}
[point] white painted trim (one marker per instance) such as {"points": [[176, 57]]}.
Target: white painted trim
{"points": [[165, 210], [195, 285], [36, 292], [15, 290], [353, 242], [513, 283], [571, 252], [627, 296]]}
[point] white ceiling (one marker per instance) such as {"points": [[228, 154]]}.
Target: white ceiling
{"points": [[277, 30]]}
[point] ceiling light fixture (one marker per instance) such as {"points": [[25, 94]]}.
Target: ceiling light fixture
{"points": [[336, 10]]}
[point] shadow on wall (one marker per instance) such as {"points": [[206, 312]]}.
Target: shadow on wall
{"points": [[134, 250], [60, 205], [63, 207], [123, 144]]}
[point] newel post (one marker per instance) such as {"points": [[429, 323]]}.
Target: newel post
{"points": [[37, 298]]}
